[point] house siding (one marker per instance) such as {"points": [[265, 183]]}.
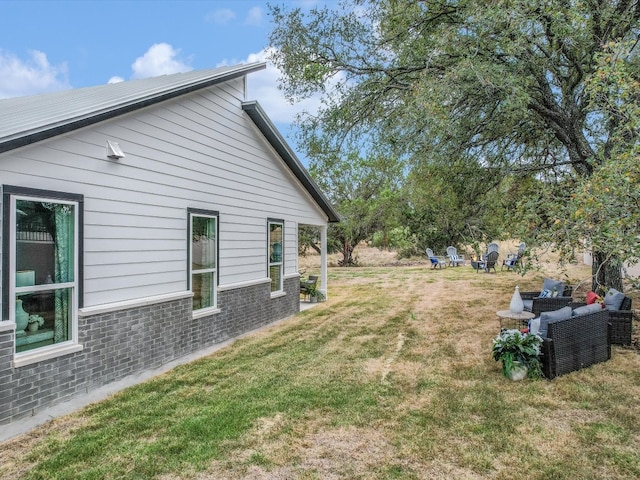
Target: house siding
{"points": [[198, 151], [202, 151], [121, 343]]}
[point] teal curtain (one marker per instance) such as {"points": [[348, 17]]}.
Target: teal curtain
{"points": [[64, 267]]}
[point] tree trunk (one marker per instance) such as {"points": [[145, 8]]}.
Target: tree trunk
{"points": [[347, 254], [606, 273]]}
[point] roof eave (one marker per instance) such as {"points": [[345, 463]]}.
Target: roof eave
{"points": [[270, 132]]}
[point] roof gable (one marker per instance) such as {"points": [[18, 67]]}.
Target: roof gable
{"points": [[26, 120]]}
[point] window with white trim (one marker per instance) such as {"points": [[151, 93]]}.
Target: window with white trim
{"points": [[203, 258], [276, 235], [42, 239]]}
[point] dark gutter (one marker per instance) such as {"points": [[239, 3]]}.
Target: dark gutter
{"points": [[116, 111], [273, 136]]}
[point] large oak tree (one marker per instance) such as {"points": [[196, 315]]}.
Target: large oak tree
{"points": [[503, 84]]}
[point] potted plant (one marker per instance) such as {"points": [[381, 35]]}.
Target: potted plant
{"points": [[315, 295], [519, 353], [35, 321]]}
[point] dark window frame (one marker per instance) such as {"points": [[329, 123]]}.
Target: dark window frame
{"points": [[9, 191]]}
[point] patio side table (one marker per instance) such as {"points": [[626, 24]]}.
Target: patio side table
{"points": [[511, 320]]}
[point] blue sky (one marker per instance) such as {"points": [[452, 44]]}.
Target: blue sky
{"points": [[52, 45]]}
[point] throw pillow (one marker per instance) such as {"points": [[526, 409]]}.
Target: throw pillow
{"points": [[555, 315], [613, 299], [592, 297], [594, 307], [545, 294], [550, 284], [534, 326]]}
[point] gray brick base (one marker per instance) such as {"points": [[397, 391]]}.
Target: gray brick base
{"points": [[119, 344]]}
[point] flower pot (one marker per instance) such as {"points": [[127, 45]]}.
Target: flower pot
{"points": [[33, 327], [517, 372]]}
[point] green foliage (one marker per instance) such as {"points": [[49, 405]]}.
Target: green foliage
{"points": [[485, 101], [454, 204], [513, 346], [399, 238], [315, 292], [600, 211], [308, 238], [365, 192]]}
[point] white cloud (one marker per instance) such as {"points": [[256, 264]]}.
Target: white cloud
{"points": [[20, 77], [254, 17], [116, 79], [220, 16], [160, 59], [263, 87]]}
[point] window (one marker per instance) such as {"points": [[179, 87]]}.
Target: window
{"points": [[42, 231], [203, 254], [276, 228]]}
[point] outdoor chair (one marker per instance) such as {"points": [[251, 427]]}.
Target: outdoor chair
{"points": [[436, 261], [306, 286], [454, 258], [493, 247], [544, 300], [621, 321], [479, 262], [575, 342], [487, 263], [514, 260]]}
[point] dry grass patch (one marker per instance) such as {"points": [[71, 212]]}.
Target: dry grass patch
{"points": [[391, 378]]}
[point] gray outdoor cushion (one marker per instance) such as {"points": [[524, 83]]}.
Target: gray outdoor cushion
{"points": [[613, 299], [550, 284], [546, 317], [594, 307], [528, 305]]}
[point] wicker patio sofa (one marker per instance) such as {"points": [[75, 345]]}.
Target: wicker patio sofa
{"points": [[621, 321], [536, 304], [575, 343]]}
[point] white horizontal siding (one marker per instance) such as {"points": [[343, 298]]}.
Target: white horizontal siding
{"points": [[199, 151]]}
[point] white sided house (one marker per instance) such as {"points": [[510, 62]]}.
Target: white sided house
{"points": [[141, 221]]}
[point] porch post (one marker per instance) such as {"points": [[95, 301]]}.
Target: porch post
{"points": [[323, 260]]}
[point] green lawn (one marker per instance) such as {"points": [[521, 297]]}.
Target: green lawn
{"points": [[391, 378]]}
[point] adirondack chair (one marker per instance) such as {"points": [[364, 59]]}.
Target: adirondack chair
{"points": [[481, 262], [514, 260], [488, 262], [492, 247], [436, 261], [454, 258]]}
